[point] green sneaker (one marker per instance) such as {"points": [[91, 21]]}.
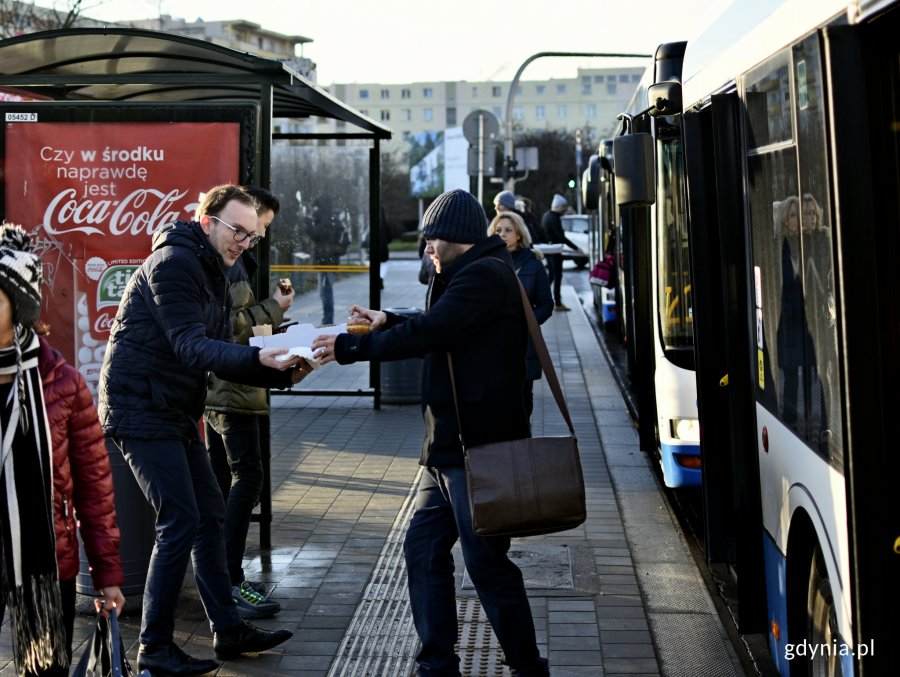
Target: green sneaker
{"points": [[250, 604]]}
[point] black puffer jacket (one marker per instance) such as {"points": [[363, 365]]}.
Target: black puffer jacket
{"points": [[172, 327], [474, 311]]}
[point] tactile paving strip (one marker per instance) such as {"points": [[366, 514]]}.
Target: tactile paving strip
{"points": [[381, 639]]}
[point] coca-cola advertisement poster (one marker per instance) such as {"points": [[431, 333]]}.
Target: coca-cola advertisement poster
{"points": [[92, 194]]}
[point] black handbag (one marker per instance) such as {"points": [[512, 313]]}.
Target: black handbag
{"points": [[105, 653], [531, 486]]}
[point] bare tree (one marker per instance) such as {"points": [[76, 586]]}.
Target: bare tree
{"points": [[18, 17]]}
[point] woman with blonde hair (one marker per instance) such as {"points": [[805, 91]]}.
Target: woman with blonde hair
{"points": [[513, 231]]}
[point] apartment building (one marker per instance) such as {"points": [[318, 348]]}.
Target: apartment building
{"points": [[591, 100]]}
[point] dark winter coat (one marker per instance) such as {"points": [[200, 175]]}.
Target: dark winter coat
{"points": [[236, 398], [173, 326], [82, 481], [474, 310], [537, 286], [551, 224]]}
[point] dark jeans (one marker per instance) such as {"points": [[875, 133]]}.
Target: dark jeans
{"points": [[233, 444], [442, 517], [177, 479], [67, 592], [326, 293], [554, 268]]}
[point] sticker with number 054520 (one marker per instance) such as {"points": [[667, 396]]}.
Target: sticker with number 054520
{"points": [[21, 117]]}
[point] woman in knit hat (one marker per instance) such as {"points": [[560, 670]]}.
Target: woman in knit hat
{"points": [[54, 464]]}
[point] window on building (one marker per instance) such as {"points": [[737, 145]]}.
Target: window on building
{"points": [[405, 94], [474, 91], [624, 78], [427, 114], [560, 89], [585, 89], [591, 110], [385, 94], [495, 91], [539, 112], [598, 79], [561, 111], [364, 111], [610, 87], [585, 79], [406, 114], [427, 92], [364, 94], [540, 89], [451, 117], [496, 111], [518, 89], [636, 77], [385, 115], [518, 114]]}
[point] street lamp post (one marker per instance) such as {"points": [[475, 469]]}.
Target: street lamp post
{"points": [[508, 144]]}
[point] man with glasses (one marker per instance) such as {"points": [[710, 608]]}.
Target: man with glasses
{"points": [[172, 327]]}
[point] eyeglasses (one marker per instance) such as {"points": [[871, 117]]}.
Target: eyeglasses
{"points": [[239, 233]]}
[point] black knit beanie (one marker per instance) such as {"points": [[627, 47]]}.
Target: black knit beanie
{"points": [[455, 216], [20, 274]]}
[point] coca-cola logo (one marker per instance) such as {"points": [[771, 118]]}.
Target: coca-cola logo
{"points": [[104, 323], [141, 212]]}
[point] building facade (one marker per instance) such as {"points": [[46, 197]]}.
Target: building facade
{"points": [[590, 102]]}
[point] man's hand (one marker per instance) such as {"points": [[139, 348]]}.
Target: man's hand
{"points": [[284, 301], [377, 318], [267, 358], [112, 599], [323, 348]]}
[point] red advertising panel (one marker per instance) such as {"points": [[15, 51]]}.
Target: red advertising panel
{"points": [[92, 194]]}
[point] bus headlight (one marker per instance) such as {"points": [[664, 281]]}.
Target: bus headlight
{"points": [[686, 429]]}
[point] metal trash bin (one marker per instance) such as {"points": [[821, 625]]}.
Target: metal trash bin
{"points": [[401, 380], [137, 527]]}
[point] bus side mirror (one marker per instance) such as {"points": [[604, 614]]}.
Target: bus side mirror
{"points": [[633, 158], [664, 98], [590, 184]]}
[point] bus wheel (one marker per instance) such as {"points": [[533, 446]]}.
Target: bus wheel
{"points": [[821, 621]]}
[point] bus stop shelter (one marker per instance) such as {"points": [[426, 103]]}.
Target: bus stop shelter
{"points": [[112, 132]]}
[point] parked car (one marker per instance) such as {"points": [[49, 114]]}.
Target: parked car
{"points": [[577, 229]]}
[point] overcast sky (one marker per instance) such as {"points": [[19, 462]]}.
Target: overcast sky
{"points": [[396, 41]]}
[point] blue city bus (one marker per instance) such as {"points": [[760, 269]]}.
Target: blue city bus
{"points": [[654, 285], [790, 123]]}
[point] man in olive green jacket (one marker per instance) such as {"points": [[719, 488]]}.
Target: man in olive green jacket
{"points": [[232, 421]]}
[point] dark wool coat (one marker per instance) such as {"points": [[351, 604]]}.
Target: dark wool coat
{"points": [[173, 326], [537, 286], [82, 481], [474, 311], [235, 398]]}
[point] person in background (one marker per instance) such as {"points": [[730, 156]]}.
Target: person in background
{"points": [[330, 242], [524, 209], [551, 223], [474, 313], [505, 202], [36, 379], [511, 229], [232, 419], [172, 328]]}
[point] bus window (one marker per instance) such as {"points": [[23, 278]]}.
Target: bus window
{"points": [[673, 256], [823, 432], [774, 211]]}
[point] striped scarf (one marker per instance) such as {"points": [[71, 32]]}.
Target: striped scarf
{"points": [[29, 571]]}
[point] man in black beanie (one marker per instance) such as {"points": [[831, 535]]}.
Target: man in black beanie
{"points": [[474, 313]]}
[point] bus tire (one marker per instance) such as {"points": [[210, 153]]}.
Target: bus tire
{"points": [[821, 620]]}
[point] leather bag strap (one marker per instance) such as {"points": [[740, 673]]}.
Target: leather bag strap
{"points": [[537, 338]]}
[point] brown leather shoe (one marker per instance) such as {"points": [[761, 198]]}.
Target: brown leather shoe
{"points": [[561, 307]]}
